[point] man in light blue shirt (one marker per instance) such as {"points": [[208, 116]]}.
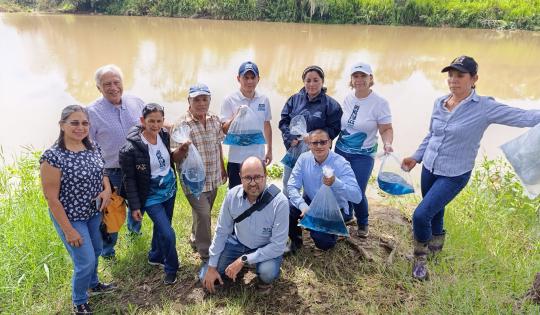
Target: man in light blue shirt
{"points": [[259, 239], [111, 117], [307, 175]]}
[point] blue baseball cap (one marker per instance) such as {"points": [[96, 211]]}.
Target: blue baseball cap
{"points": [[246, 67], [199, 89], [463, 64]]}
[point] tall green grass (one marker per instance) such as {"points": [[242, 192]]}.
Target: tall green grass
{"points": [[503, 14], [489, 261]]}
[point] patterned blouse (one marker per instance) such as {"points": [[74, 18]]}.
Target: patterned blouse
{"points": [[208, 143], [81, 179]]}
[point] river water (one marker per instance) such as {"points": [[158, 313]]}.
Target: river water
{"points": [[48, 62]]}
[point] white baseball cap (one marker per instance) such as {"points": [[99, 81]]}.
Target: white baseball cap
{"points": [[361, 67]]}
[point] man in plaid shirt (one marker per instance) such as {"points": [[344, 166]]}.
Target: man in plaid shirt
{"points": [[206, 135]]}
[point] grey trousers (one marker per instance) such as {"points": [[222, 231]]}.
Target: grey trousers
{"points": [[201, 228]]}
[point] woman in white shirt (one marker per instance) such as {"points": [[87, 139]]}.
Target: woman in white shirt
{"points": [[364, 114]]}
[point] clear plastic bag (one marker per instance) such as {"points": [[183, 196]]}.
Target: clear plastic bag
{"points": [[242, 131], [392, 179], [192, 169], [298, 128], [324, 214], [523, 154]]}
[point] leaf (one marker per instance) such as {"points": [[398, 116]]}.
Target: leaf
{"points": [[21, 279], [46, 267]]}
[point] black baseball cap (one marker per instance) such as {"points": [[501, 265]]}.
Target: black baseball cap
{"points": [[464, 64]]}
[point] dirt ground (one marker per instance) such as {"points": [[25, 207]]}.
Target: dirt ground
{"points": [[312, 282]]}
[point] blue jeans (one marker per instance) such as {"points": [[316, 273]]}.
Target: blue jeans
{"points": [[437, 192], [84, 258], [286, 175], [115, 177], [233, 172], [163, 248], [267, 270], [324, 241], [362, 166]]}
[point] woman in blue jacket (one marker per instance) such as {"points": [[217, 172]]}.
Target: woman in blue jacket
{"points": [[320, 111]]}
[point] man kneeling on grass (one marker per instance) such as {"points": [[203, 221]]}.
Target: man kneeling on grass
{"points": [[251, 230]]}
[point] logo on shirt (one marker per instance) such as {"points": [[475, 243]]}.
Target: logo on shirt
{"points": [[317, 114], [261, 107], [160, 159], [267, 230], [140, 167], [352, 118]]}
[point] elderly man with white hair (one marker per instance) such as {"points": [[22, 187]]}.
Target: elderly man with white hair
{"points": [[111, 116]]}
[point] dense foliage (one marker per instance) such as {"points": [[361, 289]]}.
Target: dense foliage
{"points": [[506, 14]]}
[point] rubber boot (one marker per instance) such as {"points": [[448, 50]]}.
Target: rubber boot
{"points": [[436, 244], [420, 270]]}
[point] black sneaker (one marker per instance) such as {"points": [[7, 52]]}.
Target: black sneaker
{"points": [[82, 309], [363, 231], [156, 263], [170, 279], [101, 288]]}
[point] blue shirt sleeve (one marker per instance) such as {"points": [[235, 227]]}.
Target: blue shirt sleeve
{"points": [[345, 184], [224, 228], [498, 113], [295, 184]]}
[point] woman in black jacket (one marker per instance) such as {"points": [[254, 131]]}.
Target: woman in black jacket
{"points": [[149, 185]]}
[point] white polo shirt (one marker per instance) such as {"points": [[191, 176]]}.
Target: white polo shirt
{"points": [[261, 107]]}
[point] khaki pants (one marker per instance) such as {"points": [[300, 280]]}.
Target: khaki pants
{"points": [[201, 234]]}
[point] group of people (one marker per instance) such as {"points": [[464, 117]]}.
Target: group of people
{"points": [[120, 148]]}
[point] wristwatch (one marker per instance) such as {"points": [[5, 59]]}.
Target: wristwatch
{"points": [[244, 260]]}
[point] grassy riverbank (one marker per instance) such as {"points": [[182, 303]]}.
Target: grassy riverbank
{"points": [[491, 257], [503, 14]]}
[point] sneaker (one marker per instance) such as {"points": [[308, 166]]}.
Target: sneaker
{"points": [[264, 288], [82, 309], [420, 270], [363, 231], [156, 263], [170, 279], [101, 288]]}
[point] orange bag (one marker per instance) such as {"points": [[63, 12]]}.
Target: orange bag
{"points": [[114, 215]]}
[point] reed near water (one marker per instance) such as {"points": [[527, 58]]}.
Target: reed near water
{"points": [[501, 14]]}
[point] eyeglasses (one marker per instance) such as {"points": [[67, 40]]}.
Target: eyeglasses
{"points": [[76, 123], [319, 143], [257, 178]]}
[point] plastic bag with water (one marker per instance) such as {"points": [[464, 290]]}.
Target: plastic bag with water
{"points": [[392, 179], [192, 170], [298, 128], [324, 214], [242, 131], [523, 153]]}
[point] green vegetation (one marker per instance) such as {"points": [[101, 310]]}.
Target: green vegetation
{"points": [[504, 14], [490, 259]]}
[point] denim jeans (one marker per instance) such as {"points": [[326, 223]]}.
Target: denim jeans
{"points": [[286, 175], [267, 270], [84, 258], [437, 192], [362, 166], [233, 172], [322, 240], [163, 248], [115, 177]]}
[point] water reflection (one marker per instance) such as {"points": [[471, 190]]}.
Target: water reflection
{"points": [[51, 61]]}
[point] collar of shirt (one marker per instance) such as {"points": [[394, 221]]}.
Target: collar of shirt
{"points": [[243, 97], [190, 117], [106, 102], [242, 194], [472, 97]]}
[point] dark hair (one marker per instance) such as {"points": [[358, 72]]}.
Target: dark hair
{"points": [[319, 131], [66, 112], [262, 164], [314, 68], [152, 108]]}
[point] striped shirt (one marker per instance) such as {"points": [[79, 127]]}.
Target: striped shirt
{"points": [[453, 140], [208, 143], [109, 125]]}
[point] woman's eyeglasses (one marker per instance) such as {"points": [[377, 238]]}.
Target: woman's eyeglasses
{"points": [[76, 123]]}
